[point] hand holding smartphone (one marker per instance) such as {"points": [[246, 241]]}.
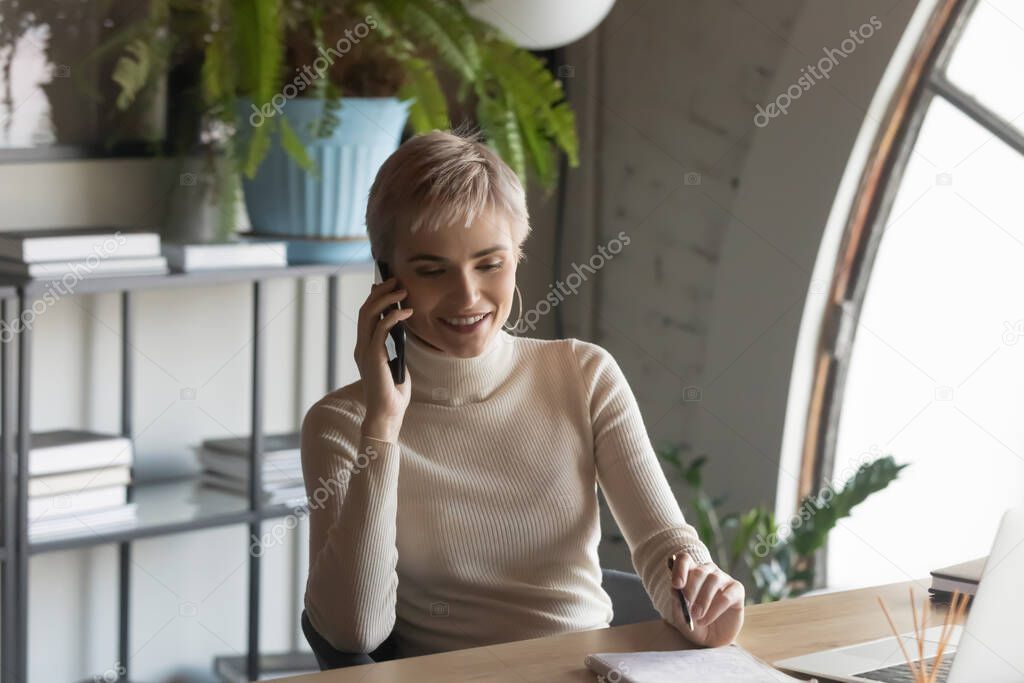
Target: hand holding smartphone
{"points": [[396, 335]]}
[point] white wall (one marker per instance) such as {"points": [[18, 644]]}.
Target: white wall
{"points": [[677, 91]]}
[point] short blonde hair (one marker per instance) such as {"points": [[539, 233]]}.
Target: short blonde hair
{"points": [[441, 179]]}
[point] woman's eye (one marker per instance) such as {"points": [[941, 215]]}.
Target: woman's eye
{"points": [[433, 272]]}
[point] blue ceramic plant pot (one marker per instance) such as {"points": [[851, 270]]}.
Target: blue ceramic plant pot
{"points": [[282, 199]]}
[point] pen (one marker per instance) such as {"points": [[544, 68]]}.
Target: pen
{"points": [[682, 598]]}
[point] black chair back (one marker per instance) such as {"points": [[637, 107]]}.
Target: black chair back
{"points": [[327, 657]]}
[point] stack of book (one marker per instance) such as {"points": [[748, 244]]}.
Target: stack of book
{"points": [[78, 483], [963, 577], [225, 464], [341, 250], [54, 253], [230, 253]]}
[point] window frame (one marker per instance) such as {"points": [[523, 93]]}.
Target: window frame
{"points": [[923, 80]]}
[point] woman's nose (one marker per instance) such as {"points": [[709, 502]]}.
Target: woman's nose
{"points": [[467, 290]]}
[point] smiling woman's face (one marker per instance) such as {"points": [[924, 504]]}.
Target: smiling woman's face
{"points": [[453, 276]]}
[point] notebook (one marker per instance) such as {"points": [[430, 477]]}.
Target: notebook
{"points": [[963, 577], [729, 664]]}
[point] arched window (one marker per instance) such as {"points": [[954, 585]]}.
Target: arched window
{"points": [[923, 354]]}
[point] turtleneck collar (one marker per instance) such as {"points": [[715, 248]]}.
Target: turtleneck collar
{"points": [[448, 380]]}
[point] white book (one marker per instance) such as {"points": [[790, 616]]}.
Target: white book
{"points": [[274, 468], [53, 484], [291, 496], [104, 519], [272, 443], [271, 493], [963, 577], [75, 503], [95, 517], [242, 484], [75, 244], [68, 450], [227, 254], [86, 269], [727, 664]]}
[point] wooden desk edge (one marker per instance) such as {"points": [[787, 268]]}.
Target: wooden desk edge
{"points": [[771, 631]]}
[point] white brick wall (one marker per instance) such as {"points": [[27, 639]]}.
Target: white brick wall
{"points": [[679, 89]]}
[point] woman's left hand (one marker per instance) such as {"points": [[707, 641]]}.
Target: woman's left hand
{"points": [[715, 600]]}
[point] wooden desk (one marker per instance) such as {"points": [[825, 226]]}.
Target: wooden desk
{"points": [[772, 632]]}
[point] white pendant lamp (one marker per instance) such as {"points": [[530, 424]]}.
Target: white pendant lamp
{"points": [[541, 24]]}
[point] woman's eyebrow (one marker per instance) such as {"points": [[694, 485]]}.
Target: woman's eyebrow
{"points": [[440, 259]]}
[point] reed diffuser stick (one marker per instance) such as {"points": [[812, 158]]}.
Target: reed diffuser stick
{"points": [[954, 615]]}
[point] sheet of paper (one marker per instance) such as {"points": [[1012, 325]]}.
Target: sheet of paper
{"points": [[730, 664]]}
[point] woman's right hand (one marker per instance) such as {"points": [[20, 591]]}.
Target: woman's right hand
{"points": [[385, 401]]}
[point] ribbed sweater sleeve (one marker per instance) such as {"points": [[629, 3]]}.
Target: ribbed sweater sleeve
{"points": [[631, 477], [352, 487]]}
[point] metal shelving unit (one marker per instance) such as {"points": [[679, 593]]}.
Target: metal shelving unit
{"points": [[8, 568], [169, 507]]}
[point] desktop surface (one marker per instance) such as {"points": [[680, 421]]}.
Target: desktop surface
{"points": [[771, 631]]}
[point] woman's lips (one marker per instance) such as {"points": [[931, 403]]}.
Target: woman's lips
{"points": [[466, 329]]}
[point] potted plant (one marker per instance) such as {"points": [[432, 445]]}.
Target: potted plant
{"points": [[778, 555], [305, 98]]}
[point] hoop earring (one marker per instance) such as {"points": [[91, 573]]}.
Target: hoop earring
{"points": [[515, 327]]}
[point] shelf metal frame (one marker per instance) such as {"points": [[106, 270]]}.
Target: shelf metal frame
{"points": [[17, 296], [8, 483]]}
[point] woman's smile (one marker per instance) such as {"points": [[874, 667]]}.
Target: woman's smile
{"points": [[467, 324]]}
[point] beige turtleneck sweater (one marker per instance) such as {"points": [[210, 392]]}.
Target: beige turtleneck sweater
{"points": [[481, 524]]}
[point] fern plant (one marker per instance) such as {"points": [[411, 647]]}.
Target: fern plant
{"points": [[249, 50]]}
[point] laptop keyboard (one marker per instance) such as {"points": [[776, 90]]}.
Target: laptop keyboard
{"points": [[901, 673]]}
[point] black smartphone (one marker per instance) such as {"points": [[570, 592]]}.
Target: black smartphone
{"points": [[396, 335]]}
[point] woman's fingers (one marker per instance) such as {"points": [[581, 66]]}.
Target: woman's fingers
{"points": [[380, 333], [731, 596], [387, 299], [382, 295], [695, 579], [712, 583], [714, 600], [385, 401], [377, 290], [681, 569]]}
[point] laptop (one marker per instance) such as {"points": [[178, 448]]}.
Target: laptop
{"points": [[988, 647]]}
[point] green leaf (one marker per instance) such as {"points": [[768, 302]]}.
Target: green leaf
{"points": [[217, 74], [819, 514], [542, 158], [670, 455], [693, 474], [540, 95], [429, 110], [748, 525], [256, 146], [455, 46], [132, 72], [296, 148], [499, 122], [259, 45], [228, 187]]}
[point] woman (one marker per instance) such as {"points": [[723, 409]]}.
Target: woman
{"points": [[460, 507]]}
